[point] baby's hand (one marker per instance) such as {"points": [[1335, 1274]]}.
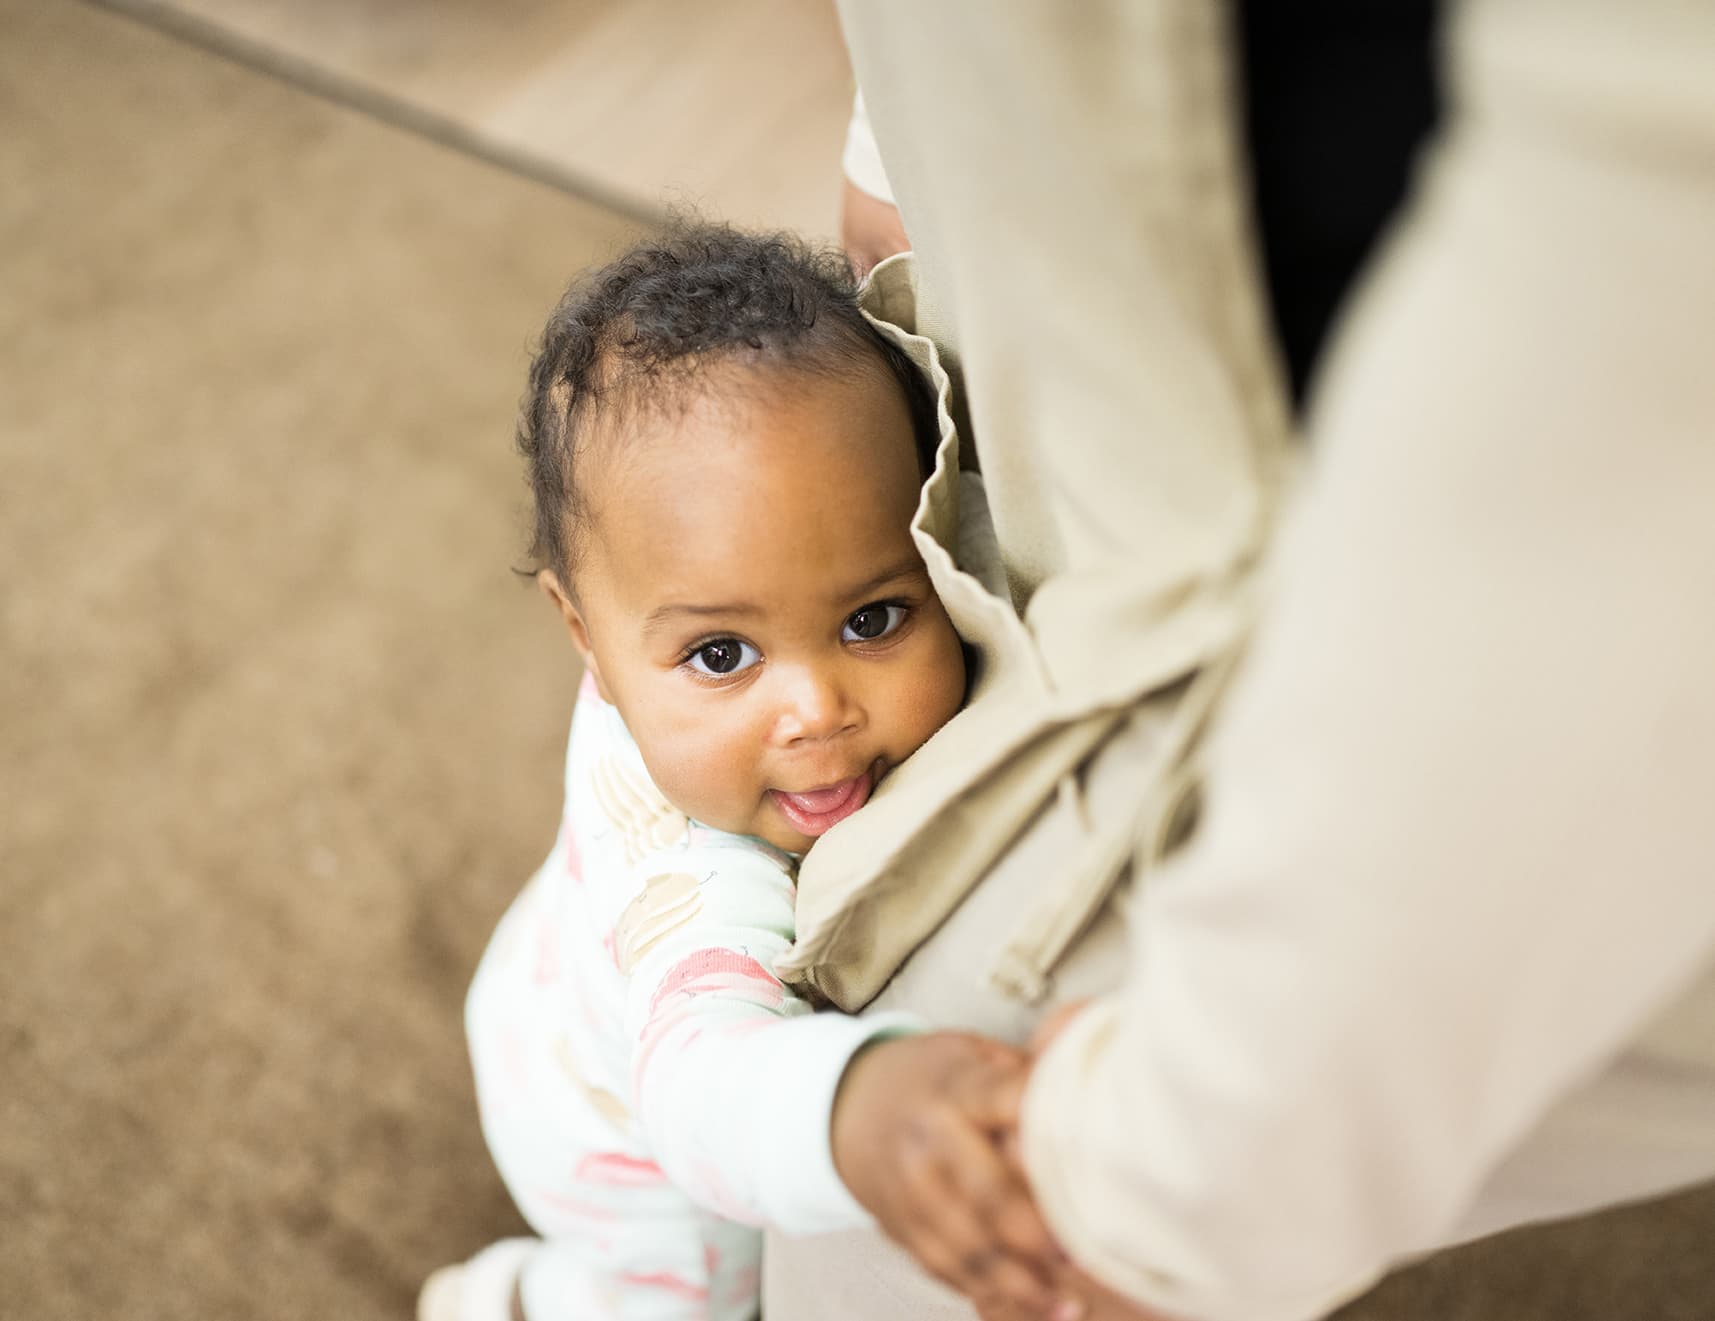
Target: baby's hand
{"points": [[917, 1132]]}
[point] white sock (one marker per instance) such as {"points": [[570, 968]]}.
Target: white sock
{"points": [[479, 1290]]}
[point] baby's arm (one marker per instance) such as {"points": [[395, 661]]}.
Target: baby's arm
{"points": [[735, 1082], [733, 1076]]}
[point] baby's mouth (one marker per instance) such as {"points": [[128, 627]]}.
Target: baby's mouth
{"points": [[814, 812]]}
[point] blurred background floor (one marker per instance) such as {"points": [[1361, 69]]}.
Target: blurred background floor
{"points": [[280, 733], [738, 106]]}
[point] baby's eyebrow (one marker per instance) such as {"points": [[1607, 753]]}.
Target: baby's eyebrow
{"points": [[662, 614], [911, 568]]}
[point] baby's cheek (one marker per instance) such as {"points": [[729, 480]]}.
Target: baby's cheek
{"points": [[707, 779], [942, 707], [942, 689]]}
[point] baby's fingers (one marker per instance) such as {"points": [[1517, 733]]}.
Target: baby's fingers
{"points": [[998, 1195], [996, 1107], [960, 1251], [1016, 1256]]}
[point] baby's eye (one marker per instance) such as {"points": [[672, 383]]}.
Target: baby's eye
{"points": [[722, 657], [872, 622]]}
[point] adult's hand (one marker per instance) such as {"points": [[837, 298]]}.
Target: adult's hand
{"points": [[870, 229], [1099, 1302], [1054, 1024]]}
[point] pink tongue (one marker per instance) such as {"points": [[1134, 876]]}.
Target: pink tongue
{"points": [[819, 802]]}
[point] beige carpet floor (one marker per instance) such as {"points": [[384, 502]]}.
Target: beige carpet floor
{"points": [[279, 731]]}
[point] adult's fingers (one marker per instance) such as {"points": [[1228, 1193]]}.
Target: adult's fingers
{"points": [[1055, 1023]]}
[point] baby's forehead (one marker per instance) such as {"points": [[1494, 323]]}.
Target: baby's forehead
{"points": [[753, 449], [646, 419]]}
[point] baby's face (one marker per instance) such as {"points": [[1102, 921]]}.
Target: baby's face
{"points": [[749, 596]]}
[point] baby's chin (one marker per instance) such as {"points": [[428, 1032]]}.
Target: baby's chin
{"points": [[783, 838], [765, 825]]}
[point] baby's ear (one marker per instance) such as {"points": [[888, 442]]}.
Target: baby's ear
{"points": [[556, 592]]}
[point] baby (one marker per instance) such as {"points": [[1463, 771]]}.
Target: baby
{"points": [[725, 456]]}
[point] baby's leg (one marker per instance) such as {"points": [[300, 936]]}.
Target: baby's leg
{"points": [[617, 1240], [688, 1266]]}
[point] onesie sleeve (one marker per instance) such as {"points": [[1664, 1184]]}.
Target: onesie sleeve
{"points": [[733, 1076]]}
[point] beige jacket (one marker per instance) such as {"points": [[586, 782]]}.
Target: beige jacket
{"points": [[1130, 423], [1441, 957]]}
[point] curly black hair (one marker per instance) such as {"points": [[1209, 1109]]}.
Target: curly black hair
{"points": [[644, 329]]}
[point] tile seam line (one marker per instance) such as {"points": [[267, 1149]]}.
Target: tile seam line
{"points": [[352, 94]]}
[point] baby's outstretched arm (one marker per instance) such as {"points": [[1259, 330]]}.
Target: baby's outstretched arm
{"points": [[766, 1113], [733, 1077]]}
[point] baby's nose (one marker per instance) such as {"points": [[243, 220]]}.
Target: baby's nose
{"points": [[816, 706]]}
